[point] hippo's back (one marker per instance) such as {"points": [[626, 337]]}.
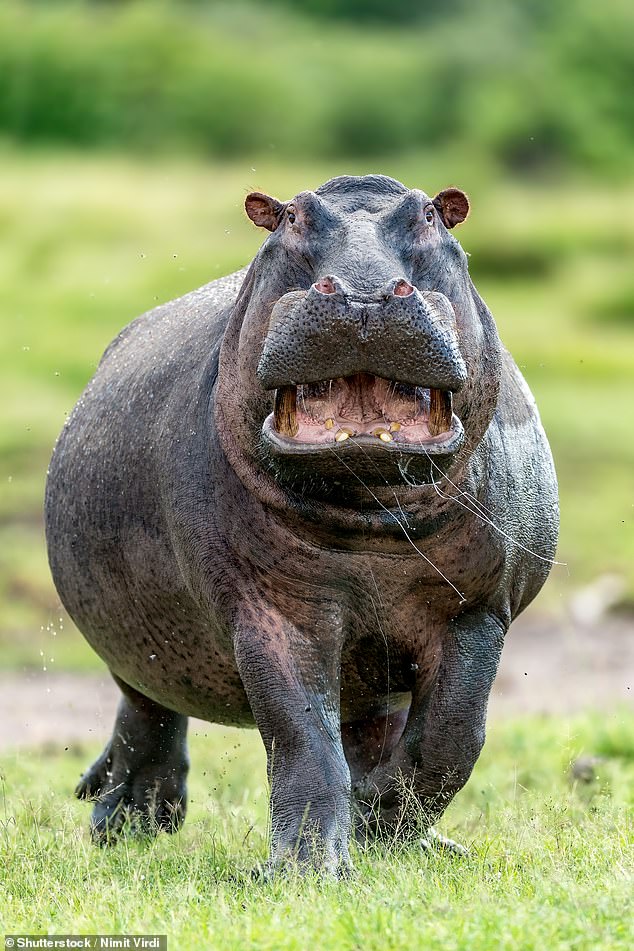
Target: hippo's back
{"points": [[162, 341]]}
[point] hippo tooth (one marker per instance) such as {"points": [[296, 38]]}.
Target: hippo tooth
{"points": [[329, 423], [285, 411], [440, 411], [383, 435], [343, 434], [394, 427]]}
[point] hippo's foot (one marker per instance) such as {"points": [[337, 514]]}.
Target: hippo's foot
{"points": [[372, 826], [138, 783], [288, 868], [431, 841], [139, 803], [321, 862], [435, 841], [319, 852]]}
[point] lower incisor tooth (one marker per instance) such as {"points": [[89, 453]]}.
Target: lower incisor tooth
{"points": [[341, 435]]}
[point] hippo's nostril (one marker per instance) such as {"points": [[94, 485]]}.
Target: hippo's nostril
{"points": [[325, 286], [402, 289]]}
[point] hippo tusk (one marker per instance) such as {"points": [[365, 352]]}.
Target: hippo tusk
{"points": [[285, 410], [440, 411]]}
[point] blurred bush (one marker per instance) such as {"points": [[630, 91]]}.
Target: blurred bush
{"points": [[528, 84]]}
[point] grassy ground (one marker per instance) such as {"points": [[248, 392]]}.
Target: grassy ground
{"points": [[550, 865], [88, 243]]}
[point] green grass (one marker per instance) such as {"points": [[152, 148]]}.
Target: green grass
{"points": [[550, 863], [88, 243]]}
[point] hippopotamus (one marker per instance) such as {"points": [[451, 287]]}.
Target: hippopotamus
{"points": [[310, 496]]}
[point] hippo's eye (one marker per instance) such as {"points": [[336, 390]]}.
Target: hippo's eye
{"points": [[429, 214], [291, 216]]}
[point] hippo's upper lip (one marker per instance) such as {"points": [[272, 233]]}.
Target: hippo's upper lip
{"points": [[366, 410], [315, 337]]}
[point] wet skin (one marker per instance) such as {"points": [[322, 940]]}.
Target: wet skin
{"points": [[310, 496]]}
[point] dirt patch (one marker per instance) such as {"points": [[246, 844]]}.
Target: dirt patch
{"points": [[550, 666], [547, 667]]}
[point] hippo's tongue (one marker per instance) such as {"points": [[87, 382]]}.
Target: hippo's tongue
{"points": [[361, 405]]}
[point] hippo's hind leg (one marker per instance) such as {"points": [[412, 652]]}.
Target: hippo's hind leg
{"points": [[141, 775]]}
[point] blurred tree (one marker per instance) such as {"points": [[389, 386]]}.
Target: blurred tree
{"points": [[531, 84], [363, 11]]}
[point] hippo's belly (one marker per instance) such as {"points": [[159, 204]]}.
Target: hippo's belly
{"points": [[176, 658], [152, 634]]}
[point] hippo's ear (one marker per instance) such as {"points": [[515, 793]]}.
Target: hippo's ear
{"points": [[452, 206], [263, 210]]}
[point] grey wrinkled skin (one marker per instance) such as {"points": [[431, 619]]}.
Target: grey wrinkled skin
{"points": [[359, 628]]}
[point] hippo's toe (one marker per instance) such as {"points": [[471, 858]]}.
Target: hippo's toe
{"points": [[433, 840], [141, 812], [94, 779]]}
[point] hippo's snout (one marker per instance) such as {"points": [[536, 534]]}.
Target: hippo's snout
{"points": [[398, 333]]}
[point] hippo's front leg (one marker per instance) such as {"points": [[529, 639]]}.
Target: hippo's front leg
{"points": [[443, 736], [291, 677]]}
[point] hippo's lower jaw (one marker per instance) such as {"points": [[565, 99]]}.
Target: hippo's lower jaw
{"points": [[378, 430]]}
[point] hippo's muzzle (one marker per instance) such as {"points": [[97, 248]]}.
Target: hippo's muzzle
{"points": [[370, 378]]}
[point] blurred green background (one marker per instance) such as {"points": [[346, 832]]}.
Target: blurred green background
{"points": [[131, 131]]}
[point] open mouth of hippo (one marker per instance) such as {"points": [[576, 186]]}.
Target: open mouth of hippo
{"points": [[377, 425], [367, 407]]}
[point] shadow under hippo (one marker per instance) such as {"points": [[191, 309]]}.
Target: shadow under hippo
{"points": [[310, 496]]}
